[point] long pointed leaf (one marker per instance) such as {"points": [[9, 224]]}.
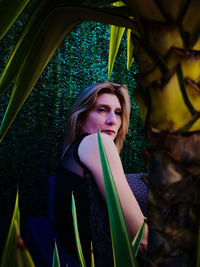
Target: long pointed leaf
{"points": [[56, 261], [23, 46], [77, 237], [130, 48], [15, 252], [122, 248], [9, 12], [47, 40], [92, 257], [138, 238], [116, 34]]}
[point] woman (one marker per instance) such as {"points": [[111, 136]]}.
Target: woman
{"points": [[104, 107]]}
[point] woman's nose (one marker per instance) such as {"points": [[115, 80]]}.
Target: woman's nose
{"points": [[111, 118]]}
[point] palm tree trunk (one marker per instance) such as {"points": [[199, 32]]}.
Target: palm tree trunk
{"points": [[167, 51], [174, 199]]}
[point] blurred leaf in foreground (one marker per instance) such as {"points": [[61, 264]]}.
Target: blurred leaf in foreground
{"points": [[15, 253]]}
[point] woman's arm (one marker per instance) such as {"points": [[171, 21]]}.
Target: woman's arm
{"points": [[89, 155]]}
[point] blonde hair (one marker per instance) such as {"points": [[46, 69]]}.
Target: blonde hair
{"points": [[86, 100]]}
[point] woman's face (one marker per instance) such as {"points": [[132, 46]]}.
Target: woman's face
{"points": [[105, 116]]}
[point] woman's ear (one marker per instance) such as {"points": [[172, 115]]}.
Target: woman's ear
{"points": [[80, 122], [79, 126]]}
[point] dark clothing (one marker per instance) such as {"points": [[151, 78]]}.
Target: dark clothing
{"points": [[73, 176]]}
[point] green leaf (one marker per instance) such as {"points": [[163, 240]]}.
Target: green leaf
{"points": [[9, 12], [122, 248], [56, 261], [78, 242], [47, 39], [15, 253], [138, 238], [116, 34], [23, 46], [130, 48], [92, 257]]}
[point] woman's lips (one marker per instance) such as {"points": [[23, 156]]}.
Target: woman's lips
{"points": [[108, 131]]}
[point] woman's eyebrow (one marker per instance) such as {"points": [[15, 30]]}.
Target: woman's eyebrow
{"points": [[107, 106], [102, 105]]}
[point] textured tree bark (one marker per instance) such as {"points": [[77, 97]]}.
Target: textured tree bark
{"points": [[173, 162], [167, 50]]}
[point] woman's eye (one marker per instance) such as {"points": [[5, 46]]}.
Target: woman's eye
{"points": [[118, 113], [101, 109]]}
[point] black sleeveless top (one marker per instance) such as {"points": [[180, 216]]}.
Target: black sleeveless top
{"points": [[73, 176]]}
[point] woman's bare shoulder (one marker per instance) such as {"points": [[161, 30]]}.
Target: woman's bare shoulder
{"points": [[91, 141], [89, 150]]}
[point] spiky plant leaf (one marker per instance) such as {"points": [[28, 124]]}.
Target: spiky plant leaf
{"points": [[56, 260], [138, 238], [77, 237], [9, 12], [130, 48], [122, 249], [15, 253], [116, 34], [92, 257], [23, 46]]}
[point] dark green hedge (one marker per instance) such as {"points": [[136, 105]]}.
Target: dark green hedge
{"points": [[30, 151]]}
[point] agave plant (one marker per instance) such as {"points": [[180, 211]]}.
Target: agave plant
{"points": [[164, 40], [124, 252]]}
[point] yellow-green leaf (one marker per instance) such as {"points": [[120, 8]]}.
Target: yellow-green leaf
{"points": [[138, 238], [92, 257], [49, 35], [23, 46], [9, 12], [15, 253], [56, 261], [130, 48], [116, 34], [77, 237]]}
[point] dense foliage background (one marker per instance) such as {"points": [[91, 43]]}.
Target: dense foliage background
{"points": [[30, 151]]}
